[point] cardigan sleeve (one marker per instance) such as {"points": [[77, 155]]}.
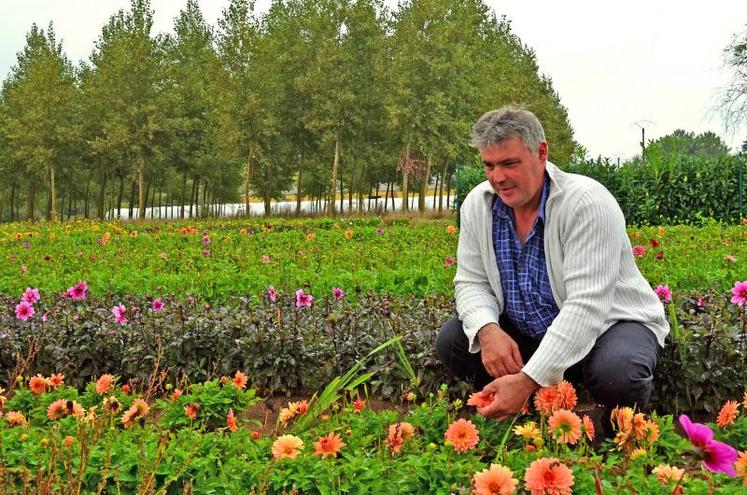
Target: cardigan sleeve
{"points": [[591, 251], [476, 302]]}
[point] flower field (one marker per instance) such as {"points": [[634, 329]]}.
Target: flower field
{"points": [[196, 439], [158, 358], [215, 260]]}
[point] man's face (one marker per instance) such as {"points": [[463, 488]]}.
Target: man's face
{"points": [[515, 173]]}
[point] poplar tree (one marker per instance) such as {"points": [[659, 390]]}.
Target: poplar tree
{"points": [[39, 97]]}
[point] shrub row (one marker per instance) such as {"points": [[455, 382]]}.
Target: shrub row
{"points": [[285, 349], [664, 190]]}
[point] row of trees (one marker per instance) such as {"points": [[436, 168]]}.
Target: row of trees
{"points": [[313, 96]]}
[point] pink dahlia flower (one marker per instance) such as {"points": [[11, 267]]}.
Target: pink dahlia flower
{"points": [[303, 300], [739, 292], [717, 456], [24, 310]]}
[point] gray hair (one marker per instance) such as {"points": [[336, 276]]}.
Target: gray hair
{"points": [[506, 122]]}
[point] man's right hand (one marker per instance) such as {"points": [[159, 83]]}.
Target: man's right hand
{"points": [[500, 354]]}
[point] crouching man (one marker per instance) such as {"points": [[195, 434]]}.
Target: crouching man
{"points": [[546, 284]]}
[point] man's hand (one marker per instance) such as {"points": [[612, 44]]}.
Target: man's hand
{"points": [[500, 354], [511, 392]]}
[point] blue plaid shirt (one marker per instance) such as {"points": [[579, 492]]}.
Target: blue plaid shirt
{"points": [[526, 285]]}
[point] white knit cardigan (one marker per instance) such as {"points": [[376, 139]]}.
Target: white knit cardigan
{"points": [[595, 281]]}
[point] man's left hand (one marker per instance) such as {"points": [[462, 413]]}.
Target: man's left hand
{"points": [[511, 392]]}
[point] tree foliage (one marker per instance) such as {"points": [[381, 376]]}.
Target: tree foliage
{"points": [[733, 98], [683, 143], [326, 99]]}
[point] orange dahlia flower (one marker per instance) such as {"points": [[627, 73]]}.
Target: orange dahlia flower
{"points": [[668, 474], [190, 410], [480, 399], [741, 466], [38, 384], [588, 427], [128, 418], [16, 418], [548, 476], [728, 414], [231, 421], [398, 433], [567, 393], [57, 409], [328, 445], [239, 380], [56, 379], [104, 384], [286, 446], [462, 434], [142, 407], [498, 480], [547, 400], [565, 426]]}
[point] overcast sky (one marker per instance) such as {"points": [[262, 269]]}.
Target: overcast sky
{"points": [[614, 64]]}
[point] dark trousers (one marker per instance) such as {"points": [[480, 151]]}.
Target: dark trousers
{"points": [[618, 371]]}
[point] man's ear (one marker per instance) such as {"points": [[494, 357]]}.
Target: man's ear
{"points": [[542, 151]]}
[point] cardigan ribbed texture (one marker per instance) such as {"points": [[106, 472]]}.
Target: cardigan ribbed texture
{"points": [[594, 279]]}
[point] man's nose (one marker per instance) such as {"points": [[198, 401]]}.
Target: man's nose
{"points": [[496, 175]]}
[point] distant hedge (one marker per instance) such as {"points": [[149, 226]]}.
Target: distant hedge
{"points": [[660, 191]]}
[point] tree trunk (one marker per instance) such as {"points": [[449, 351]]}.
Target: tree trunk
{"points": [[152, 200], [333, 182], [12, 201], [350, 190], [70, 203], [198, 191], [112, 199], [53, 192], [342, 197], [205, 210], [192, 196], [435, 191], [448, 187], [268, 201], [298, 187], [87, 203], [404, 191], [183, 195], [30, 200], [441, 192], [131, 206], [141, 193], [424, 185], [119, 197], [145, 203], [405, 195], [48, 215], [247, 184], [102, 198]]}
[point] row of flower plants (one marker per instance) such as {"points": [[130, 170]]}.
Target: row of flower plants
{"points": [[291, 342], [235, 257], [197, 438]]}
